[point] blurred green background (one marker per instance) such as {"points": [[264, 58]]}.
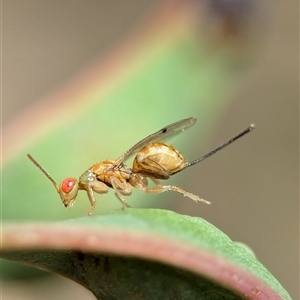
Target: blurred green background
{"points": [[85, 80]]}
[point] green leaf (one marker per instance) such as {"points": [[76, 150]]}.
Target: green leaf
{"points": [[143, 254], [165, 73]]}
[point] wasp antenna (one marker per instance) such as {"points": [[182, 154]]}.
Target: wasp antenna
{"points": [[44, 171], [247, 130]]}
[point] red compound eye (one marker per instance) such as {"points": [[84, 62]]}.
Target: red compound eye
{"points": [[67, 185]]}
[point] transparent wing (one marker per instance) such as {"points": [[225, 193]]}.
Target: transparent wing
{"points": [[167, 131]]}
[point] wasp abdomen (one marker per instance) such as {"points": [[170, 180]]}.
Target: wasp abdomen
{"points": [[158, 160]]}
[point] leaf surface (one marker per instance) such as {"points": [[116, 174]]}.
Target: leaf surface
{"points": [[143, 254]]}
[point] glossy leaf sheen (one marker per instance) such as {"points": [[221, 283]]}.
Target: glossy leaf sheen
{"points": [[143, 254]]}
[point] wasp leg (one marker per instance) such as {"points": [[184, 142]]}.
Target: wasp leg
{"points": [[141, 184], [121, 188], [150, 166], [98, 187]]}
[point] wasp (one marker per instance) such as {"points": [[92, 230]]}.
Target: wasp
{"points": [[154, 160]]}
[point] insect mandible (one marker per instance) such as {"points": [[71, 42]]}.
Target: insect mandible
{"points": [[154, 160]]}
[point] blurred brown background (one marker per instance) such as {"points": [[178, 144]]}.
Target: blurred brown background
{"points": [[46, 43]]}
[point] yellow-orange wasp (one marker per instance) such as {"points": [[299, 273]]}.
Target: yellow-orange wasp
{"points": [[154, 160]]}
